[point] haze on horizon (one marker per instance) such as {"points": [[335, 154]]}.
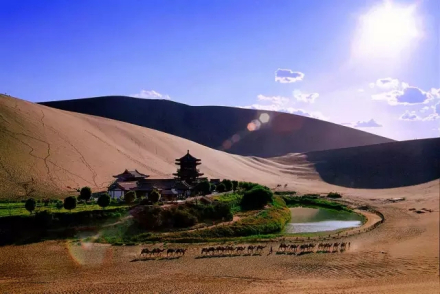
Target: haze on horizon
{"points": [[371, 65]]}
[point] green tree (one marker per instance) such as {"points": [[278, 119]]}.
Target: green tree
{"points": [[234, 185], [104, 200], [30, 205], [129, 197], [221, 188], [85, 193], [154, 196], [70, 203], [256, 198], [59, 204], [203, 188], [228, 185]]}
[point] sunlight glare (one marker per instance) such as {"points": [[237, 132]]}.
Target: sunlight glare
{"points": [[386, 30]]}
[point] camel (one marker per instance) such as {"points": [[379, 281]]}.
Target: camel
{"points": [[293, 247], [145, 251], [157, 251], [260, 248], [219, 248], [229, 249], [180, 251], [251, 248], [172, 251], [240, 249], [282, 247]]}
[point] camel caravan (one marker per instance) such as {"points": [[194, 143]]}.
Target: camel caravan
{"points": [[229, 250], [157, 252], [309, 248]]}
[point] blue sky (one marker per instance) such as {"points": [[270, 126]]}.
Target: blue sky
{"points": [[336, 60]]}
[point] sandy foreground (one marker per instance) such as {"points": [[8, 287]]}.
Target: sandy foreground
{"points": [[400, 256]]}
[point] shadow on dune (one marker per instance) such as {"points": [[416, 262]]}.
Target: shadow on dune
{"points": [[225, 128], [388, 165]]}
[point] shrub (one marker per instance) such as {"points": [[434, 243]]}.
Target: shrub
{"points": [[59, 204], [30, 205], [154, 196], [70, 203], [221, 188], [183, 219], [104, 201], [203, 188], [228, 185], [148, 216], [256, 198], [234, 185], [46, 201], [85, 193], [129, 197], [334, 195]]}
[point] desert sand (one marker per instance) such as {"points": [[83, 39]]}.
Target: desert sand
{"points": [[60, 149]]}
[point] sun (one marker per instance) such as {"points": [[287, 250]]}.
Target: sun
{"points": [[386, 30]]}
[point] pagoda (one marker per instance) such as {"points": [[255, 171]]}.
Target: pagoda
{"points": [[188, 171]]}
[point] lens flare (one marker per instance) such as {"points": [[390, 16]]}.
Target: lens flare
{"points": [[264, 118]]}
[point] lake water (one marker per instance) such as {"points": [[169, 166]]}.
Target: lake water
{"points": [[309, 220]]}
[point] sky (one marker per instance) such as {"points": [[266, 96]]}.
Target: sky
{"points": [[370, 65]]}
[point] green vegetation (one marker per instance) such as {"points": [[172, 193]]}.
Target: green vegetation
{"points": [[180, 216], [234, 185], [203, 188], [85, 193], [256, 198], [285, 193], [154, 196], [232, 199], [70, 203], [104, 200], [30, 205], [228, 184], [313, 202], [130, 197], [334, 195], [271, 220], [221, 188]]}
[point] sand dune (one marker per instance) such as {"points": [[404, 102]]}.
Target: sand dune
{"points": [[387, 165], [215, 126], [59, 149]]}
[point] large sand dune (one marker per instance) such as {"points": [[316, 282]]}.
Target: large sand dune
{"points": [[213, 126], [53, 149]]}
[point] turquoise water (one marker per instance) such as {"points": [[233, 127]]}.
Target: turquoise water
{"points": [[311, 220]]}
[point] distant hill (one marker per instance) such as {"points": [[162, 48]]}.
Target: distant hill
{"points": [[388, 165], [212, 126]]}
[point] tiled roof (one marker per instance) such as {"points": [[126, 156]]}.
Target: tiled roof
{"points": [[123, 185], [132, 174], [187, 158]]}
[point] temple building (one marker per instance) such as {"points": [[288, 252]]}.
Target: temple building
{"points": [[125, 182], [187, 170], [186, 177]]}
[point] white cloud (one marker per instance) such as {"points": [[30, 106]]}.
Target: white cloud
{"points": [[279, 100], [151, 95], [361, 90], [424, 109], [309, 98], [435, 92], [405, 96], [288, 76], [367, 124], [279, 108], [412, 116], [387, 83]]}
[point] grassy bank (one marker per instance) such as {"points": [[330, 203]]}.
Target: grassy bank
{"points": [[268, 221], [314, 202]]}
